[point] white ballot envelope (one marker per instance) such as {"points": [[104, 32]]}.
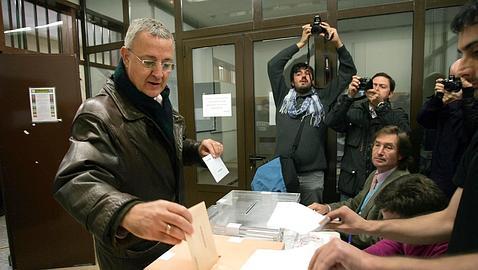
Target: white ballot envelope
{"points": [[216, 166], [201, 243]]}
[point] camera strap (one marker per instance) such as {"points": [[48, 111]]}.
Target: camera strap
{"points": [[308, 52]]}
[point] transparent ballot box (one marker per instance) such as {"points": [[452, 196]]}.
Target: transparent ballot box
{"points": [[246, 213]]}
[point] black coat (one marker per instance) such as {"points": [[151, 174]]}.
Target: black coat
{"points": [[354, 119]]}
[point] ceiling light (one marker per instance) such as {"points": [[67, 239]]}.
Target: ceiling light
{"points": [[24, 29], [49, 25]]}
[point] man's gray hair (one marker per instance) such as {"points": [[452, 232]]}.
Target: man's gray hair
{"points": [[149, 25]]}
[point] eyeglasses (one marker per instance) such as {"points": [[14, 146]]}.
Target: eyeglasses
{"points": [[152, 64]]}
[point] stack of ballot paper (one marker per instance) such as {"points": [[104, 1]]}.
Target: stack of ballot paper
{"points": [[296, 217], [297, 258]]}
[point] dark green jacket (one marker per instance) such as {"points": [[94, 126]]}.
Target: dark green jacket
{"points": [[370, 211]]}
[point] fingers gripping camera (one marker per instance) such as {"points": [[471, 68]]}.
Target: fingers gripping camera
{"points": [[317, 28], [452, 84]]}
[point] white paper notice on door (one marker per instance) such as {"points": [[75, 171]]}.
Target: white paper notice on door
{"points": [[217, 105], [43, 104]]}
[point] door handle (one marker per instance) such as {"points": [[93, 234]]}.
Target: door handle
{"points": [[255, 158]]}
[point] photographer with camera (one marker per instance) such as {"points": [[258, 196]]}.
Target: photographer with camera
{"points": [[444, 112], [359, 117], [301, 101], [456, 224]]}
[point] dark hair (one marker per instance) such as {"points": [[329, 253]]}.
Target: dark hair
{"points": [[390, 79], [411, 195], [404, 145], [467, 16], [298, 66]]}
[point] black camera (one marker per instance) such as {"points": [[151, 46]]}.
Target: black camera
{"points": [[452, 84], [364, 85], [316, 28]]}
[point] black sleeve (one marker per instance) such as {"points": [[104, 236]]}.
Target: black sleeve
{"points": [[275, 70], [428, 115], [337, 117]]}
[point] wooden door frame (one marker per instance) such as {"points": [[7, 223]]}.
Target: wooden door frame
{"points": [[193, 189]]}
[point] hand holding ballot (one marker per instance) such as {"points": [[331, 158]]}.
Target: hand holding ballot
{"points": [[350, 222], [212, 147]]}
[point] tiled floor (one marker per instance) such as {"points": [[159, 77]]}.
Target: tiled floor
{"points": [[4, 251]]}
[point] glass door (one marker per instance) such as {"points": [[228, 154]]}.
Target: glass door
{"points": [[215, 67]]}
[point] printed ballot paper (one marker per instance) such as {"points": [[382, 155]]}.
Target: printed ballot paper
{"points": [[296, 258], [296, 217], [216, 166]]}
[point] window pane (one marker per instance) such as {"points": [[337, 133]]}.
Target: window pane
{"points": [[29, 16], [98, 78], [161, 10], [98, 35], [54, 26], [15, 32], [90, 30], [390, 51], [212, 67], [109, 8], [440, 46], [42, 32], [284, 8], [346, 4], [80, 38], [200, 14], [115, 57]]}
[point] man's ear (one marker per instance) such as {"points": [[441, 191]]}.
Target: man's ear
{"points": [[390, 95], [124, 53]]}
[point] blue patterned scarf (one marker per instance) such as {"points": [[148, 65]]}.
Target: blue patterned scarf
{"points": [[311, 106]]}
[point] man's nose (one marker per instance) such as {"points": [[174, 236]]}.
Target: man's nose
{"points": [[157, 71]]}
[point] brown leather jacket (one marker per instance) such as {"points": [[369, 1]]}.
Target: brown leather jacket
{"points": [[119, 157]]}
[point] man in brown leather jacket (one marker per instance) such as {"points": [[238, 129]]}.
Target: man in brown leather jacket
{"points": [[121, 177]]}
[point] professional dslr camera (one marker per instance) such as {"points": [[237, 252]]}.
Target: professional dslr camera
{"points": [[364, 85], [452, 84], [317, 29]]}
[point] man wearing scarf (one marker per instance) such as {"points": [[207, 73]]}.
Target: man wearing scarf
{"points": [[122, 176], [303, 102]]}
